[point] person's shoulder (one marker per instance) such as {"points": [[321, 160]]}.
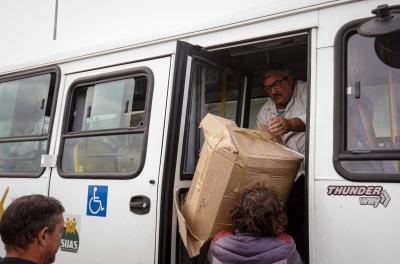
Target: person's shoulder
{"points": [[285, 237], [289, 246], [267, 106], [12, 260], [222, 234], [301, 85], [301, 91], [287, 241]]}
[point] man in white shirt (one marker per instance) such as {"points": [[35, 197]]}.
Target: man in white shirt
{"points": [[284, 114]]}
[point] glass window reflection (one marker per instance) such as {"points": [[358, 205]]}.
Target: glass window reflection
{"points": [[24, 106], [373, 118], [373, 107]]}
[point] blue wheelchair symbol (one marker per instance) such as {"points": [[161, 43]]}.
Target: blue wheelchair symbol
{"points": [[97, 200]]}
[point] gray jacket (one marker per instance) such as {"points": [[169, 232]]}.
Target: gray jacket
{"points": [[247, 248]]}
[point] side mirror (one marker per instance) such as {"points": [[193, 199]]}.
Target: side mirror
{"points": [[387, 48], [386, 21], [385, 27]]}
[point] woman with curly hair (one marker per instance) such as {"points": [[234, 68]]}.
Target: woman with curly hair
{"points": [[259, 220]]}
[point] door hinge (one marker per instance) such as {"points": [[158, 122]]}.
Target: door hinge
{"points": [[48, 161]]}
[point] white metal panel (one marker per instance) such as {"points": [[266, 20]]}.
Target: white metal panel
{"points": [[311, 128], [94, 26], [18, 187], [23, 186], [97, 21], [163, 157], [344, 230], [12, 188], [333, 18], [178, 183], [328, 27], [299, 21], [121, 237], [324, 116], [347, 232], [98, 60], [282, 24], [26, 29]]}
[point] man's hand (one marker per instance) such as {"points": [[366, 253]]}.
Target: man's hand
{"points": [[279, 126]]}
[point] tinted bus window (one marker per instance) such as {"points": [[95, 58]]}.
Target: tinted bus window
{"points": [[106, 128], [25, 111], [370, 118]]}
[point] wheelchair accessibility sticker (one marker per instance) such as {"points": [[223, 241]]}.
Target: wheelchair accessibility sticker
{"points": [[97, 200]]}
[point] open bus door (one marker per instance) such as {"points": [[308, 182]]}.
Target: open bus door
{"points": [[225, 81], [203, 83]]}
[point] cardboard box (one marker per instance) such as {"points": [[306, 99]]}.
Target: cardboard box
{"points": [[232, 160]]}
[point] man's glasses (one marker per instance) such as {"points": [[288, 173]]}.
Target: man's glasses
{"points": [[277, 83]]}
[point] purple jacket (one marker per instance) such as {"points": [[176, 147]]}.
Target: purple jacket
{"points": [[246, 248]]}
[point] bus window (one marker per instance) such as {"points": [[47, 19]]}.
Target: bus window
{"points": [[25, 110], [106, 127], [370, 118], [253, 59], [236, 92], [213, 90]]}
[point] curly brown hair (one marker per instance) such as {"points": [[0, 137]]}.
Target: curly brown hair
{"points": [[259, 212]]}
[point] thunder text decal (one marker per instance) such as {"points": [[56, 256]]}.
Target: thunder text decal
{"points": [[70, 233], [368, 195]]}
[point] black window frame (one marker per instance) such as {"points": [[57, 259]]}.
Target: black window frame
{"points": [[210, 62], [55, 72], [340, 114], [97, 79]]}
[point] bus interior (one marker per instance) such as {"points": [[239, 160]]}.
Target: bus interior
{"points": [[233, 88]]}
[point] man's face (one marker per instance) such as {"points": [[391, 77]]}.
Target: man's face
{"points": [[54, 240], [279, 88]]}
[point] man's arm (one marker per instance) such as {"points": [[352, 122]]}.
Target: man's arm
{"points": [[280, 126], [296, 125]]}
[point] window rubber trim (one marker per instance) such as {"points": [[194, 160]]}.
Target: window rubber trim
{"points": [[102, 78], [55, 83], [213, 62], [339, 117]]}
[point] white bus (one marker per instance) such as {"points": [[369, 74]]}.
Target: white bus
{"points": [[111, 130]]}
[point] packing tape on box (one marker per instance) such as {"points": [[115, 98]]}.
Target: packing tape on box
{"points": [[212, 143], [267, 136]]}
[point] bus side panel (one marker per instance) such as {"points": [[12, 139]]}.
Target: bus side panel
{"points": [[356, 228], [120, 236]]}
